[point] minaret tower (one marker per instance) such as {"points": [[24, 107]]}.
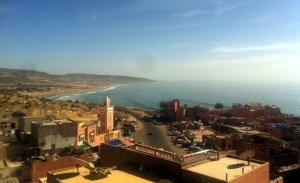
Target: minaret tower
{"points": [[106, 116]]}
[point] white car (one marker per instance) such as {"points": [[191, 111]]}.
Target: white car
{"points": [[129, 139]]}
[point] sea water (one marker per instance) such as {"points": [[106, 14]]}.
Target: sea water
{"points": [[285, 95]]}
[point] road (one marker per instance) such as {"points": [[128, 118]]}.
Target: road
{"points": [[158, 138]]}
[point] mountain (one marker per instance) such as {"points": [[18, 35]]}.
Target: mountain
{"points": [[16, 76]]}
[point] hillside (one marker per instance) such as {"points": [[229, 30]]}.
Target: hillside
{"points": [[36, 83], [15, 76]]}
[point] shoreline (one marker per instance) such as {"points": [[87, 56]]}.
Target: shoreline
{"points": [[73, 89]]}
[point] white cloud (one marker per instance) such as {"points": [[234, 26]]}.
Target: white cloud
{"points": [[227, 62], [236, 49], [279, 67], [190, 13], [222, 7], [160, 5], [3, 9], [263, 18], [161, 28], [94, 16]]}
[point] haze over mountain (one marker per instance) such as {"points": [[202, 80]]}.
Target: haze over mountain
{"points": [[14, 76]]}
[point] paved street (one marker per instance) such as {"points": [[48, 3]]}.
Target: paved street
{"points": [[158, 138]]}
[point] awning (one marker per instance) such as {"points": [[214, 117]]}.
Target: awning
{"points": [[94, 144], [84, 146], [115, 142], [126, 142]]}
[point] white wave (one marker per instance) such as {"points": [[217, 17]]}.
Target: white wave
{"points": [[63, 97], [111, 88], [66, 96], [90, 92]]}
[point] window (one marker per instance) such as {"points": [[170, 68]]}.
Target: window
{"points": [[13, 125], [53, 147], [92, 135], [19, 172], [81, 137]]}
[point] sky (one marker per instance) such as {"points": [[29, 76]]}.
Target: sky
{"points": [[165, 40]]}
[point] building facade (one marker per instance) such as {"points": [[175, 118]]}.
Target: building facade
{"points": [[54, 135]]}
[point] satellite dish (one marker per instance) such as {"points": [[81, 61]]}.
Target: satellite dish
{"points": [[247, 154], [82, 163]]}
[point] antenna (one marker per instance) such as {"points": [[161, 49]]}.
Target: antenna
{"points": [[246, 155]]}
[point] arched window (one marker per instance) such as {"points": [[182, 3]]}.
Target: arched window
{"points": [[81, 138], [92, 135]]}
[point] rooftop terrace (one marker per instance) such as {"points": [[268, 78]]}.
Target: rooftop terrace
{"points": [[125, 174], [52, 122], [226, 165]]}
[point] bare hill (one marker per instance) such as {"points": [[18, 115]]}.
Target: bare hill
{"points": [[16, 76]]}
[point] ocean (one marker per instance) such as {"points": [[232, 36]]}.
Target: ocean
{"points": [[285, 95]]}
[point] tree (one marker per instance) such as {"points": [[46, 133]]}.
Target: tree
{"points": [[219, 106]]}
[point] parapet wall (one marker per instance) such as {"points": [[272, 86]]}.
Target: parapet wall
{"points": [[258, 175], [40, 167], [193, 177], [117, 156]]}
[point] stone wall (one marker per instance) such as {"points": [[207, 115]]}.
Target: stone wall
{"points": [[21, 172], [3, 150]]}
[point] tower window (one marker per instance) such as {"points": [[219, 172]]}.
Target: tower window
{"points": [[92, 135], [81, 137]]}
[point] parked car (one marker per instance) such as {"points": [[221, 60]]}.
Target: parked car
{"points": [[139, 142], [173, 133], [181, 137], [186, 143], [172, 129], [130, 139], [130, 126], [194, 149], [179, 141], [126, 132]]}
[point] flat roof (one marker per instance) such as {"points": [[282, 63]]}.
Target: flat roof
{"points": [[123, 174], [218, 168], [52, 122]]}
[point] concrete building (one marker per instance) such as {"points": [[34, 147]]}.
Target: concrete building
{"points": [[227, 168], [137, 163], [106, 122], [52, 136], [90, 135], [176, 112], [277, 129], [40, 166], [277, 157], [243, 111], [124, 175], [147, 164], [24, 123], [8, 126]]}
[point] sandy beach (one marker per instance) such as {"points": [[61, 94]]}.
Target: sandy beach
{"points": [[67, 89]]}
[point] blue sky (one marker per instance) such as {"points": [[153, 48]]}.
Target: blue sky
{"points": [[206, 40]]}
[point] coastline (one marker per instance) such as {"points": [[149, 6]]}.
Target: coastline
{"points": [[64, 90]]}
